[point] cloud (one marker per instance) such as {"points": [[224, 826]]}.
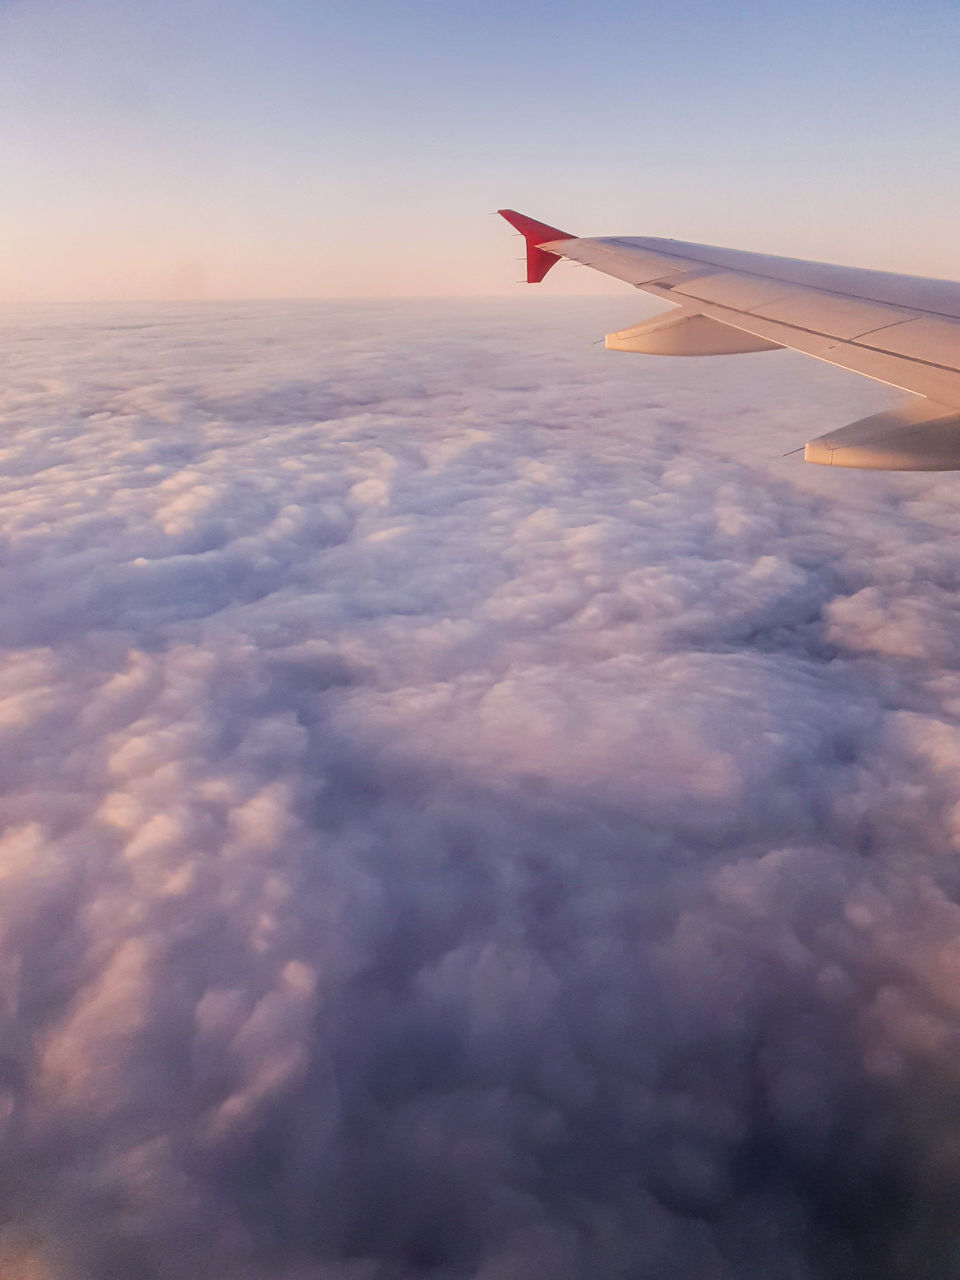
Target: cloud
{"points": [[469, 808]]}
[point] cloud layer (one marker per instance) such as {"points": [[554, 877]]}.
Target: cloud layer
{"points": [[470, 809]]}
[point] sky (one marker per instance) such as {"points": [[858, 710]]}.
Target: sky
{"points": [[470, 809], [232, 148]]}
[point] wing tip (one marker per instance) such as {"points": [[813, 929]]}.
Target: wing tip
{"points": [[539, 261]]}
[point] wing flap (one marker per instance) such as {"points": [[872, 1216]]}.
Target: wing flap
{"points": [[831, 314], [934, 340], [915, 293], [939, 383], [732, 289], [828, 313]]}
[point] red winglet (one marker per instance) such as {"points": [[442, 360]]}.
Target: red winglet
{"points": [[539, 261]]}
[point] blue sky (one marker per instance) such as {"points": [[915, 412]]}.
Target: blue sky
{"points": [[328, 149]]}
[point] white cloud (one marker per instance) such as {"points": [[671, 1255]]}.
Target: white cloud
{"points": [[470, 809]]}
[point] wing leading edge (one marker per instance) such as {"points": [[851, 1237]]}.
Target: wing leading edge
{"points": [[901, 330]]}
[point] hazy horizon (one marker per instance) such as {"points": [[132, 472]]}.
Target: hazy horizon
{"points": [[342, 149]]}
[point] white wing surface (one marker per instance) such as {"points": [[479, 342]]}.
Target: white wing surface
{"points": [[902, 330]]}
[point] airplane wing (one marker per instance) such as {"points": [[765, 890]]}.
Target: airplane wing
{"points": [[902, 330]]}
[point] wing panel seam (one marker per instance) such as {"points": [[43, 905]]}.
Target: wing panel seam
{"points": [[761, 275], [832, 337]]}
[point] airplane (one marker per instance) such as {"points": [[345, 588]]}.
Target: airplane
{"points": [[901, 330]]}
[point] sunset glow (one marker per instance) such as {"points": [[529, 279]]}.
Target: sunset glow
{"points": [[215, 149]]}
